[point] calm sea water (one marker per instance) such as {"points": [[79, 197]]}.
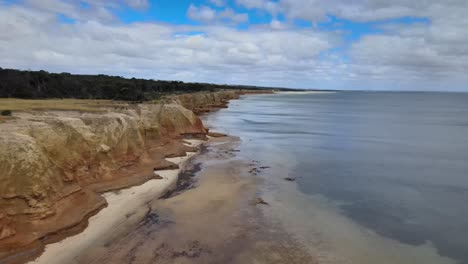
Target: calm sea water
{"points": [[392, 165]]}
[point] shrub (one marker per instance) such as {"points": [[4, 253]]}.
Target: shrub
{"points": [[5, 113]]}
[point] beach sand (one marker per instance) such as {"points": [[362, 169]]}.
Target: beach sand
{"points": [[125, 209], [216, 219]]}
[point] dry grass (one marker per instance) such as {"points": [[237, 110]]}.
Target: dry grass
{"points": [[58, 104]]}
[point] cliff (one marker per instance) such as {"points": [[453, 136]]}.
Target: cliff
{"points": [[54, 164]]}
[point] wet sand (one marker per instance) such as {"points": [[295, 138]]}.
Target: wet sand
{"points": [[215, 220], [125, 208], [318, 141], [319, 225]]}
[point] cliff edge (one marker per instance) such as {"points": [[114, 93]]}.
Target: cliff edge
{"points": [[54, 164]]}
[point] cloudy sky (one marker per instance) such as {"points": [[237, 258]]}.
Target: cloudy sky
{"points": [[329, 44]]}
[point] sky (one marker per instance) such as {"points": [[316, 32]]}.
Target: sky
{"points": [[311, 44]]}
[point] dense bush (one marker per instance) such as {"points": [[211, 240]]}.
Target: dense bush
{"points": [[41, 84], [5, 113]]}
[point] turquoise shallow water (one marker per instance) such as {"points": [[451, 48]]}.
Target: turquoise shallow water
{"points": [[392, 163]]}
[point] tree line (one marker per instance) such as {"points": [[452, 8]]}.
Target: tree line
{"points": [[42, 84]]}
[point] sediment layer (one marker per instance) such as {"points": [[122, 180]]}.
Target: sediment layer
{"points": [[54, 164]]}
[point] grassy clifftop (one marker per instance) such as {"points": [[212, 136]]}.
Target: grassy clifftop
{"points": [[55, 163]]}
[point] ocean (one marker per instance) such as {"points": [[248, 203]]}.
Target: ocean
{"points": [[380, 177]]}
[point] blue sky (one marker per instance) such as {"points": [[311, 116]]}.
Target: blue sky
{"points": [[329, 44], [175, 12]]}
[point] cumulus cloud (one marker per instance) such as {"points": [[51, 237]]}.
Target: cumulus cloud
{"points": [[434, 51], [206, 14], [429, 54], [362, 10], [93, 9], [218, 2], [276, 24], [202, 13], [138, 4], [34, 39], [229, 15], [269, 6], [252, 3]]}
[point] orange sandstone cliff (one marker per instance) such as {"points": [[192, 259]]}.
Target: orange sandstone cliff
{"points": [[54, 164]]}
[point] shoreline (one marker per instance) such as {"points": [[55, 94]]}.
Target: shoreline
{"points": [[125, 208], [218, 216], [216, 221], [315, 220], [100, 220], [129, 208], [118, 149]]}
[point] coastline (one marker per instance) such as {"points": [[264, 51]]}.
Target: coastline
{"points": [[314, 220], [125, 208], [152, 206], [215, 221], [79, 156]]}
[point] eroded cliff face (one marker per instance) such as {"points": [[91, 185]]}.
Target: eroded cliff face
{"points": [[195, 102], [53, 164]]}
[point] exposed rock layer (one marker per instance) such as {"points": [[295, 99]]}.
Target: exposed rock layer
{"points": [[53, 164]]}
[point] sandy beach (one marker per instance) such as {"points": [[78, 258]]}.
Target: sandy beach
{"points": [[217, 219], [125, 208]]}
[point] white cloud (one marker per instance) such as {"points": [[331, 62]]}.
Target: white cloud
{"points": [[218, 3], [202, 13], [220, 54], [269, 6], [361, 10], [206, 14], [431, 54], [276, 24], [229, 15], [432, 51], [252, 3], [138, 4], [421, 54], [95, 10]]}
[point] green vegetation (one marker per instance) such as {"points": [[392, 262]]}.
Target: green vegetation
{"points": [[41, 84], [5, 113]]}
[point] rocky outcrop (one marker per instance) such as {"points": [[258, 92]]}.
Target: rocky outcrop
{"points": [[54, 164]]}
